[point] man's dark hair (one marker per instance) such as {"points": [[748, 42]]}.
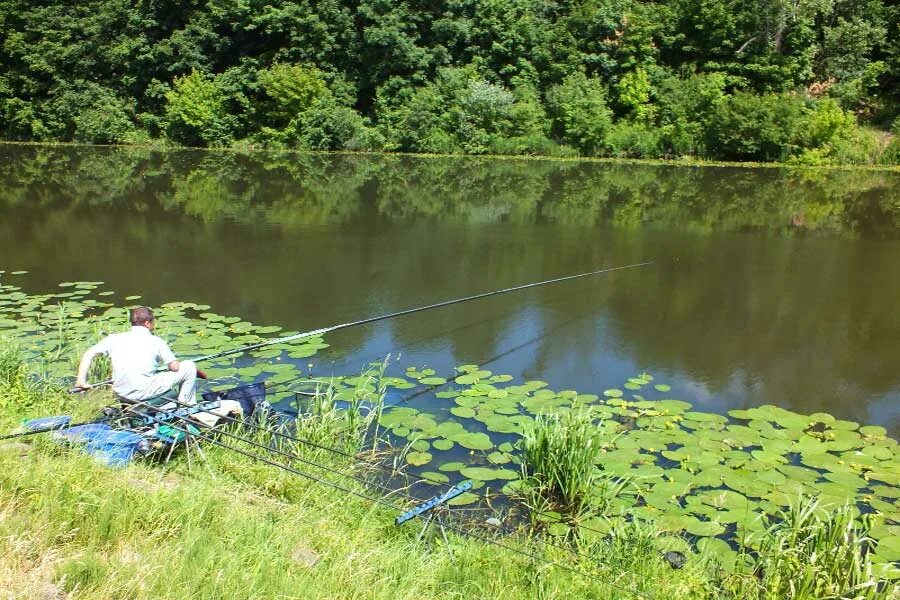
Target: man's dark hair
{"points": [[140, 315]]}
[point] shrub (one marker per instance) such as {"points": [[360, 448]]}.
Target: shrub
{"points": [[685, 107], [579, 113], [747, 126], [292, 89], [634, 140], [195, 112], [808, 551], [459, 111]]}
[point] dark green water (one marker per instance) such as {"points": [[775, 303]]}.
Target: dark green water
{"points": [[769, 286]]}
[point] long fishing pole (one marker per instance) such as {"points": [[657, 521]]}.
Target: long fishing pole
{"points": [[385, 502], [408, 311]]}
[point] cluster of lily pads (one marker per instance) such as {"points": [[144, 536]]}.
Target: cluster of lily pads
{"points": [[707, 475], [60, 325]]}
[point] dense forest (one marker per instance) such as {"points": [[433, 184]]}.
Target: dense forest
{"points": [[802, 81]]}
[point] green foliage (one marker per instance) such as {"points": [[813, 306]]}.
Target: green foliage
{"points": [[633, 140], [559, 454], [460, 110], [750, 127], [195, 111], [579, 113], [813, 552], [293, 89], [685, 106], [458, 77], [633, 94]]}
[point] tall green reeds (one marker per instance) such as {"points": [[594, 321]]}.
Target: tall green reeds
{"points": [[809, 551], [346, 419], [559, 453]]}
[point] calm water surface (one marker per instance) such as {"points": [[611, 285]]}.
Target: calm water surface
{"points": [[768, 285]]}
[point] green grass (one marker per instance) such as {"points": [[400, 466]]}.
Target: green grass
{"points": [[222, 525], [559, 454]]}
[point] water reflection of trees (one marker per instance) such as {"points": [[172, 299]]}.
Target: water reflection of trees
{"points": [[307, 189]]}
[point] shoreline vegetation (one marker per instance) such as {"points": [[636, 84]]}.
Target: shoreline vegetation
{"points": [[586, 510], [249, 150], [806, 83], [224, 526]]}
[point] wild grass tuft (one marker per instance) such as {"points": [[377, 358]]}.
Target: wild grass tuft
{"points": [[558, 463], [347, 419], [808, 551]]}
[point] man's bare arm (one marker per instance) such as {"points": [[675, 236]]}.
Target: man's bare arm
{"points": [[84, 366]]}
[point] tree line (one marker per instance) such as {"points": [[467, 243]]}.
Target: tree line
{"points": [[802, 81]]}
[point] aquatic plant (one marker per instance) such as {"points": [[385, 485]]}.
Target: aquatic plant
{"points": [[559, 453], [808, 551]]}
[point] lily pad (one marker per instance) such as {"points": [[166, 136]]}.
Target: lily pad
{"points": [[488, 474], [473, 440], [418, 458]]}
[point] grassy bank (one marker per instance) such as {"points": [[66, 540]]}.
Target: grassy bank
{"points": [[221, 525]]}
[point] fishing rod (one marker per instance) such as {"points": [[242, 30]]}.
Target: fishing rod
{"points": [[383, 501], [408, 311]]}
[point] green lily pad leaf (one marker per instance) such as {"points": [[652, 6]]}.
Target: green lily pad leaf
{"points": [[889, 549], [724, 499], [463, 412], [499, 458], [418, 458], [442, 444], [631, 386], [506, 447], [705, 528], [473, 441], [662, 387], [873, 431], [613, 393], [846, 479], [718, 550], [432, 381], [672, 406], [488, 474], [434, 477], [467, 379], [888, 477], [467, 368], [421, 446], [451, 466], [501, 378], [464, 499], [401, 431]]}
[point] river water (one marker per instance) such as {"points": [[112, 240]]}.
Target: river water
{"points": [[767, 285]]}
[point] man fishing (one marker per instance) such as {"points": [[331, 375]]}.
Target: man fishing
{"points": [[136, 356]]}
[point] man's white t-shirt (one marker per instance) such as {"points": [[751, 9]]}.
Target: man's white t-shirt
{"points": [[135, 356]]}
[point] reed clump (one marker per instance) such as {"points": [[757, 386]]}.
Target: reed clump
{"points": [[559, 456], [809, 551]]}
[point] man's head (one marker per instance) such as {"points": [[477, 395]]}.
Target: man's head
{"points": [[142, 316]]}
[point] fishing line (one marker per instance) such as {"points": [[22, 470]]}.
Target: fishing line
{"points": [[383, 502], [391, 471], [429, 390]]}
